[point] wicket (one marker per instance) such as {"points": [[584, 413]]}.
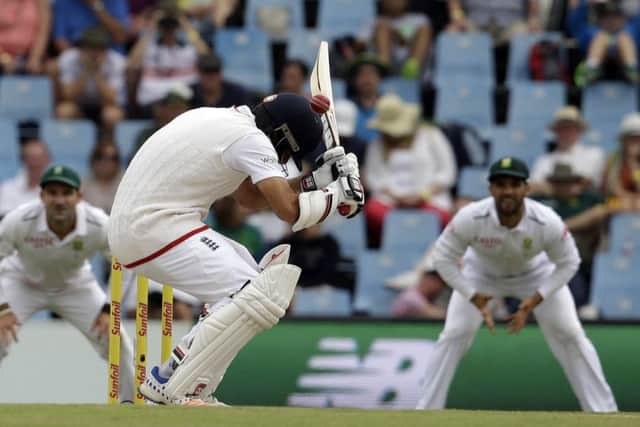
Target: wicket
{"points": [[142, 320]]}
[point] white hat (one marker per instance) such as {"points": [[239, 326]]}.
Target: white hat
{"points": [[395, 117], [346, 116], [630, 125], [568, 114]]}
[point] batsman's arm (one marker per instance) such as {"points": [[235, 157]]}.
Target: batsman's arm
{"points": [[251, 195]]}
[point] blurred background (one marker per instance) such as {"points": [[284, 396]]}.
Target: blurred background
{"points": [[462, 82]]}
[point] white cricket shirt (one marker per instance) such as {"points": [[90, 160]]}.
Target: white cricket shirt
{"points": [[30, 250], [500, 253], [199, 157]]}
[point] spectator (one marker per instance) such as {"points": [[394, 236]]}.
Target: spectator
{"points": [[164, 58], [174, 103], [212, 90], [402, 39], [293, 77], [99, 188], [92, 81], [587, 161], [25, 186], [622, 173], [227, 217], [608, 44], [409, 166], [71, 18], [571, 198], [346, 117], [365, 74], [501, 18], [24, 35]]}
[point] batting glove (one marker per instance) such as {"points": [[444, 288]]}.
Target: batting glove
{"points": [[331, 165]]}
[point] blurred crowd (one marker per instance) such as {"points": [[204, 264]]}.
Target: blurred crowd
{"points": [[111, 61]]}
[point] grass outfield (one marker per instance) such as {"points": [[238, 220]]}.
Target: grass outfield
{"points": [[162, 416]]}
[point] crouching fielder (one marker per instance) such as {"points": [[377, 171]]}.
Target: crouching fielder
{"points": [[45, 246], [512, 246], [156, 225]]}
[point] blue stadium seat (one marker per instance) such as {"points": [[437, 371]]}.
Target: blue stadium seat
{"points": [[472, 183], [373, 268], [292, 9], [126, 133], [321, 301], [70, 141], [466, 101], [303, 44], [342, 17], [603, 134], [608, 101], [409, 230], [624, 233], [520, 46], [468, 54], [351, 234], [535, 101], [9, 154], [247, 58], [407, 89], [615, 287], [23, 97], [526, 144]]}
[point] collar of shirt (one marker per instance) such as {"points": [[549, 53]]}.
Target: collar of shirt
{"points": [[81, 223]]}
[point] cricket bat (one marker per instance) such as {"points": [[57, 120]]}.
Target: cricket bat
{"points": [[320, 83]]}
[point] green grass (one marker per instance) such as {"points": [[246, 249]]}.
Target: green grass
{"points": [[161, 416]]}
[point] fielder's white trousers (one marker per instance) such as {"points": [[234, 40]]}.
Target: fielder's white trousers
{"points": [[79, 303], [562, 330]]}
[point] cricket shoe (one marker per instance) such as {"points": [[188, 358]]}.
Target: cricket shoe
{"points": [[154, 389]]}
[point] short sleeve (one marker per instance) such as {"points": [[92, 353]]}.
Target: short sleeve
{"points": [[255, 156]]}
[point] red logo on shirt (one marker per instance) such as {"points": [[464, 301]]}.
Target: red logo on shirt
{"points": [[38, 242], [489, 242]]}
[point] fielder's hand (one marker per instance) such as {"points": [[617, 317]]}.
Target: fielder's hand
{"points": [[101, 326], [8, 327], [519, 318], [331, 165], [481, 301]]}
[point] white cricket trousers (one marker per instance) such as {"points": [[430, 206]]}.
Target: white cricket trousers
{"points": [[562, 330], [79, 303]]}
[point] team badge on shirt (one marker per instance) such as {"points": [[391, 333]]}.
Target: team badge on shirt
{"points": [[527, 243], [77, 245]]}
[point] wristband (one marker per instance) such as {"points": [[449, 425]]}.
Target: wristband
{"points": [[308, 183], [5, 309]]}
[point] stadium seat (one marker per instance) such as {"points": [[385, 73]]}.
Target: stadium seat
{"points": [[247, 58], [351, 234], [23, 97], [519, 48], [9, 154], [407, 89], [342, 17], [468, 54], [373, 268], [526, 144], [409, 230], [608, 101], [535, 101], [472, 183], [466, 101], [303, 44], [624, 233], [70, 141], [126, 133], [615, 288], [293, 10], [321, 301], [603, 134]]}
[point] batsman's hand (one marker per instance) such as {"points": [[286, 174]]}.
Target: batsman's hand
{"points": [[518, 319], [100, 326], [8, 327], [331, 165], [354, 196], [481, 301]]}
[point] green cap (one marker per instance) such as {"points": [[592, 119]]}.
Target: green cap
{"points": [[62, 174], [509, 166]]}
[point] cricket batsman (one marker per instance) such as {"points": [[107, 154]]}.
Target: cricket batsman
{"points": [[512, 247], [156, 225], [45, 247]]}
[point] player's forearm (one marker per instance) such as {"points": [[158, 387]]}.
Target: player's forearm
{"points": [[563, 272], [446, 264]]}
